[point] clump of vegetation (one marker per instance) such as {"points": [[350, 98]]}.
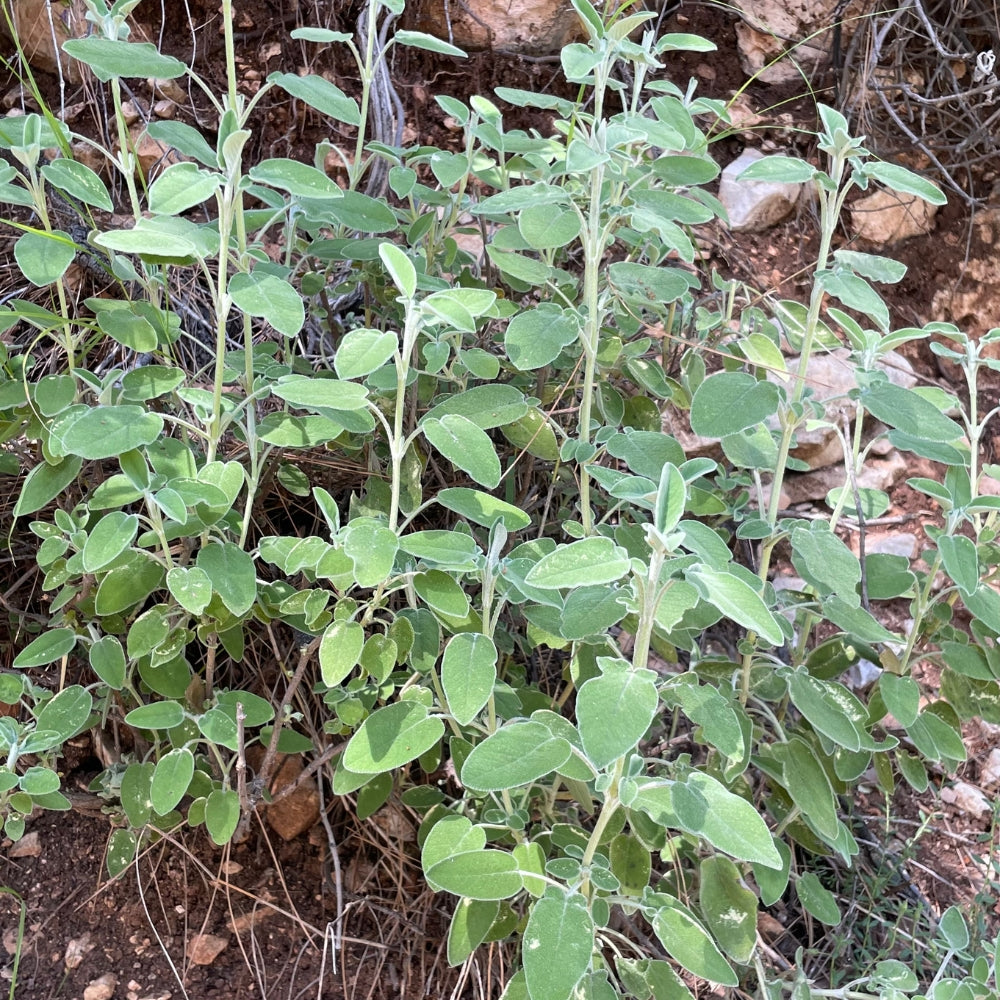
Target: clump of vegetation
{"points": [[519, 497]]}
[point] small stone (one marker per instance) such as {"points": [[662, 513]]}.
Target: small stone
{"points": [[754, 205], [86, 154], [152, 154], [130, 112], [102, 988], [886, 217], [170, 89], [801, 487], [204, 949], [17, 97], [967, 798], [897, 544], [76, 950], [10, 940], [27, 847], [299, 810], [164, 109], [990, 772]]}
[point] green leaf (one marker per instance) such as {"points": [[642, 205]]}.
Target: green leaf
{"points": [[518, 267], [517, 754], [470, 924], [185, 139], [391, 737], [872, 266], [547, 227], [484, 875], [191, 587], [614, 710], [452, 834], [171, 778], [106, 431], [232, 573], [737, 600], [855, 293], [339, 651], [298, 179], [953, 928], [901, 696], [180, 187], [44, 257], [897, 178], [107, 660], [468, 673], [372, 548], [400, 268], [222, 815], [54, 393], [47, 648], [121, 851], [707, 708], [590, 611], [818, 900], [645, 284], [584, 563], [321, 393], [441, 593], [961, 561], [45, 482], [534, 434], [320, 94], [267, 295], [135, 793], [363, 351], [156, 715], [729, 907], [671, 496], [79, 181], [779, 169], [449, 549], [826, 562], [558, 944], [730, 402], [909, 412], [466, 446], [535, 337], [480, 508], [160, 238], [808, 785], [732, 824], [108, 539], [128, 584], [487, 406], [129, 328], [421, 40], [113, 58], [686, 940], [829, 707], [65, 715], [361, 213]]}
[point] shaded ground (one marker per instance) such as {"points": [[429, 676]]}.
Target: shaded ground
{"points": [[272, 902]]}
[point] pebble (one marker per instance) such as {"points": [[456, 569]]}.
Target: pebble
{"points": [[102, 988], [968, 798]]}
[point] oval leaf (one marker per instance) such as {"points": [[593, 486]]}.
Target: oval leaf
{"points": [[391, 737]]}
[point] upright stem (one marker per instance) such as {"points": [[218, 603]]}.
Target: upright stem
{"points": [[594, 253]]}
